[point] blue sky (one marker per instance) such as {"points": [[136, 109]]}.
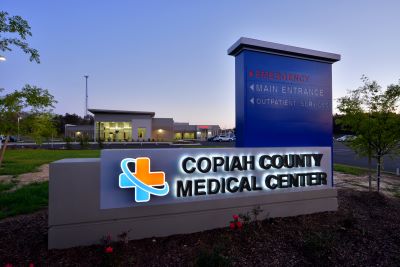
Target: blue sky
{"points": [[170, 56]]}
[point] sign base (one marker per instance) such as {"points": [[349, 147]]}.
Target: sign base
{"points": [[75, 217]]}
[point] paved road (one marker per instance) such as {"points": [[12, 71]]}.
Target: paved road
{"points": [[345, 155]]}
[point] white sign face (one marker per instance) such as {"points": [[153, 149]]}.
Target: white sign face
{"points": [[164, 176]]}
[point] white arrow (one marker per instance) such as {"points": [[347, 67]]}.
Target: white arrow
{"points": [[252, 100], [252, 87]]}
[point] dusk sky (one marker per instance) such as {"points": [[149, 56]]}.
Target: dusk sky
{"points": [[170, 57]]}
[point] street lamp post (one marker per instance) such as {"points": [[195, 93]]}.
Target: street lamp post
{"points": [[18, 128], [86, 99]]}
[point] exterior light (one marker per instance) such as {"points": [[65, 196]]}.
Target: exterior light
{"points": [[160, 130], [2, 58]]}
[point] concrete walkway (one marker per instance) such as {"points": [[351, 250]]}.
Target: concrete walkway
{"points": [[390, 184]]}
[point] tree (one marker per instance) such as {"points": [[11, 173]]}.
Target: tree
{"points": [[61, 120], [15, 25], [370, 113], [337, 127], [31, 99], [39, 126]]}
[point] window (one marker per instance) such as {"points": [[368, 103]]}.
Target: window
{"points": [[188, 136], [178, 136], [141, 133], [114, 131]]}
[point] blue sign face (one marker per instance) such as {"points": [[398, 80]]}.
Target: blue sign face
{"points": [[282, 101]]}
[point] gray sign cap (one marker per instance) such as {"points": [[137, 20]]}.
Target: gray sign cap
{"points": [[280, 49]]}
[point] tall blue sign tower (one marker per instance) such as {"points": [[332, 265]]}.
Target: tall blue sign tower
{"points": [[283, 95]]}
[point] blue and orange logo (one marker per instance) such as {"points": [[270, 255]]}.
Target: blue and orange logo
{"points": [[142, 179]]}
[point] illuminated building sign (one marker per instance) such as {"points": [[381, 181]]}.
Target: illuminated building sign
{"points": [[283, 137], [283, 95], [165, 176]]}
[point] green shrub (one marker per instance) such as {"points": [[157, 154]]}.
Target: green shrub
{"points": [[68, 141], [211, 258], [84, 141], [100, 143]]}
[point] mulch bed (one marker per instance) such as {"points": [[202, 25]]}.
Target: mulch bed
{"points": [[364, 232]]}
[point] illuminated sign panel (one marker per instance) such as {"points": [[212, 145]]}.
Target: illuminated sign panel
{"points": [[283, 95], [165, 176]]}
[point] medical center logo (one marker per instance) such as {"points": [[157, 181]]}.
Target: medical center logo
{"points": [[142, 179]]}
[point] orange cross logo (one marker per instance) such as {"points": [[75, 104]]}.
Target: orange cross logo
{"points": [[142, 179], [144, 174]]}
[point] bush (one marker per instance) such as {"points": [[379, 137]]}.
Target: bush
{"points": [[211, 258], [68, 141], [84, 141], [100, 143], [316, 247], [349, 220]]}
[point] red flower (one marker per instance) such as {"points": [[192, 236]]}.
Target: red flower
{"points": [[109, 250], [239, 225], [235, 217], [232, 225], [31, 265]]}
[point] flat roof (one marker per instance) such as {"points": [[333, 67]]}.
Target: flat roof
{"points": [[82, 126], [109, 111], [280, 49]]}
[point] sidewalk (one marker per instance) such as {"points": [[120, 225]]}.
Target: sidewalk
{"points": [[390, 184]]}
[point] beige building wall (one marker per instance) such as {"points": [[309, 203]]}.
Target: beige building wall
{"points": [[162, 129], [141, 124]]}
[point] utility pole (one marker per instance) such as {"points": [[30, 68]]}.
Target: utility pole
{"points": [[86, 99]]}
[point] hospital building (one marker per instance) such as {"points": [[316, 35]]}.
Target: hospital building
{"points": [[132, 126]]}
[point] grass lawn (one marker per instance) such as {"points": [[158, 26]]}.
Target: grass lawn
{"points": [[32, 197], [20, 161], [350, 169], [27, 199]]}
